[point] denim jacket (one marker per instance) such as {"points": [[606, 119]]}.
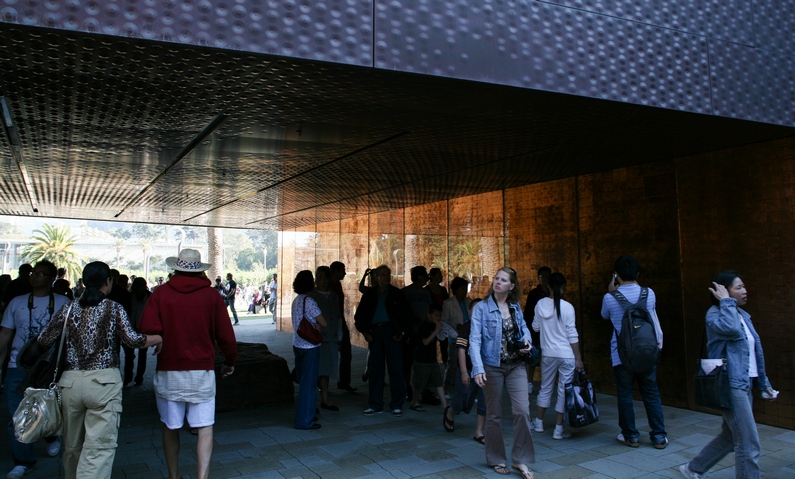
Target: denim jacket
{"points": [[726, 339], [485, 338]]}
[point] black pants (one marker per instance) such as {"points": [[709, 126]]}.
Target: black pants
{"points": [[129, 360], [346, 356]]}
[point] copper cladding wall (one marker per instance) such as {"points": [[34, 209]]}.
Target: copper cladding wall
{"points": [[737, 211], [683, 219]]}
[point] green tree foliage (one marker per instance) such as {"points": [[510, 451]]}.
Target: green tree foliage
{"points": [[7, 229], [153, 233], [121, 233], [265, 240], [55, 244], [246, 258]]}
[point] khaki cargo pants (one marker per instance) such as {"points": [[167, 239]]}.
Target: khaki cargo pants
{"points": [[91, 404]]}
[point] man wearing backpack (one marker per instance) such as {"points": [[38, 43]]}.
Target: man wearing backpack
{"points": [[634, 355]]}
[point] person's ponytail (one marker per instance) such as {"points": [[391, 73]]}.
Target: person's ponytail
{"points": [[95, 275], [557, 282]]}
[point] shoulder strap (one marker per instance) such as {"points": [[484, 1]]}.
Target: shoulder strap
{"points": [[60, 346], [622, 300]]}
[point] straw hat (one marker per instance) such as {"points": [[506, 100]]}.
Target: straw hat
{"points": [[189, 261]]}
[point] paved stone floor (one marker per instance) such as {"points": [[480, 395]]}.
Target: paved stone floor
{"points": [[261, 443]]}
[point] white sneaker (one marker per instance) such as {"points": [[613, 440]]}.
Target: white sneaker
{"points": [[18, 471], [685, 470], [537, 425], [561, 434], [54, 448]]}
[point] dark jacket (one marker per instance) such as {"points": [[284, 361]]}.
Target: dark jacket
{"points": [[397, 309]]}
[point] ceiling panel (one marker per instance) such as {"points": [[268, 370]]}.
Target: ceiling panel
{"points": [[140, 131]]}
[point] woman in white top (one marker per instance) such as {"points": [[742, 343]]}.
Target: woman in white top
{"points": [[560, 352], [307, 355]]}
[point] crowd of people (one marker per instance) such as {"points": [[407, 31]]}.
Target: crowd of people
{"points": [[99, 318], [435, 346], [429, 341]]}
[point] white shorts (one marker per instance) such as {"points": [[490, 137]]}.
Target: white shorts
{"points": [[172, 413]]}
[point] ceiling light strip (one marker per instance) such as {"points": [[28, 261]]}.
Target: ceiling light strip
{"points": [[12, 136], [323, 165], [212, 126]]}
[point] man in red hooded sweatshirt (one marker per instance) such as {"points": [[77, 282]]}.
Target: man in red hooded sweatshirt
{"points": [[192, 315]]}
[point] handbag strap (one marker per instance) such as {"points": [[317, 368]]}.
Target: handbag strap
{"points": [[60, 346]]}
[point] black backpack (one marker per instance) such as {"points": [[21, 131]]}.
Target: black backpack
{"points": [[637, 341]]}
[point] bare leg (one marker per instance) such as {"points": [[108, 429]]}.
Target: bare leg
{"points": [[322, 383], [560, 419], [479, 425], [540, 412], [204, 451], [171, 450], [440, 392]]}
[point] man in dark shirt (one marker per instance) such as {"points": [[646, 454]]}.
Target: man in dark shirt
{"points": [[381, 317], [229, 298], [534, 296], [346, 354]]}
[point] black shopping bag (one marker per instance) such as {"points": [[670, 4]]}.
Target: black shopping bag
{"points": [[581, 408]]}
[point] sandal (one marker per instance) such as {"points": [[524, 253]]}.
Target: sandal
{"points": [[417, 408], [501, 469], [449, 424], [480, 439], [525, 473]]}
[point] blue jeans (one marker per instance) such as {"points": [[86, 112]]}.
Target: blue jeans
{"points": [[738, 434], [647, 385], [385, 349], [231, 303], [307, 364], [21, 453]]}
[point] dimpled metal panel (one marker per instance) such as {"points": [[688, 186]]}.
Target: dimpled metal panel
{"points": [[731, 20], [329, 30], [774, 24], [545, 47], [752, 83]]}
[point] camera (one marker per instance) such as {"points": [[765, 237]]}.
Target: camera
{"points": [[514, 345]]}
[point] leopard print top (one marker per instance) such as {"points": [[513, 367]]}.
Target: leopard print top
{"points": [[92, 335]]}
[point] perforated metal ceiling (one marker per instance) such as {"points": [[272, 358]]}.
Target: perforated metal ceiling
{"points": [[111, 128]]}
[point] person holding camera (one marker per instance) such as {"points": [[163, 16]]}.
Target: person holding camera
{"points": [[499, 343]]}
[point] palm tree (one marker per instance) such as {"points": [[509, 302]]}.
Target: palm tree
{"points": [[119, 244], [55, 244], [215, 253], [146, 247]]}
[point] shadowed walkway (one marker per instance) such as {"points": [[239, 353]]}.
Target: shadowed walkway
{"points": [[261, 442]]}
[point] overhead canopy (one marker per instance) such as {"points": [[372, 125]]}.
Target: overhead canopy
{"points": [[107, 128]]}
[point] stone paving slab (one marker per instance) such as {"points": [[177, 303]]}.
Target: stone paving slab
{"points": [[261, 442]]}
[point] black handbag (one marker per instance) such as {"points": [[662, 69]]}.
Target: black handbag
{"points": [[712, 390], [581, 408]]}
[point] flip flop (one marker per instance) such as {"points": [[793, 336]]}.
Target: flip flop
{"points": [[525, 473], [501, 469], [417, 408], [480, 439], [449, 425]]}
